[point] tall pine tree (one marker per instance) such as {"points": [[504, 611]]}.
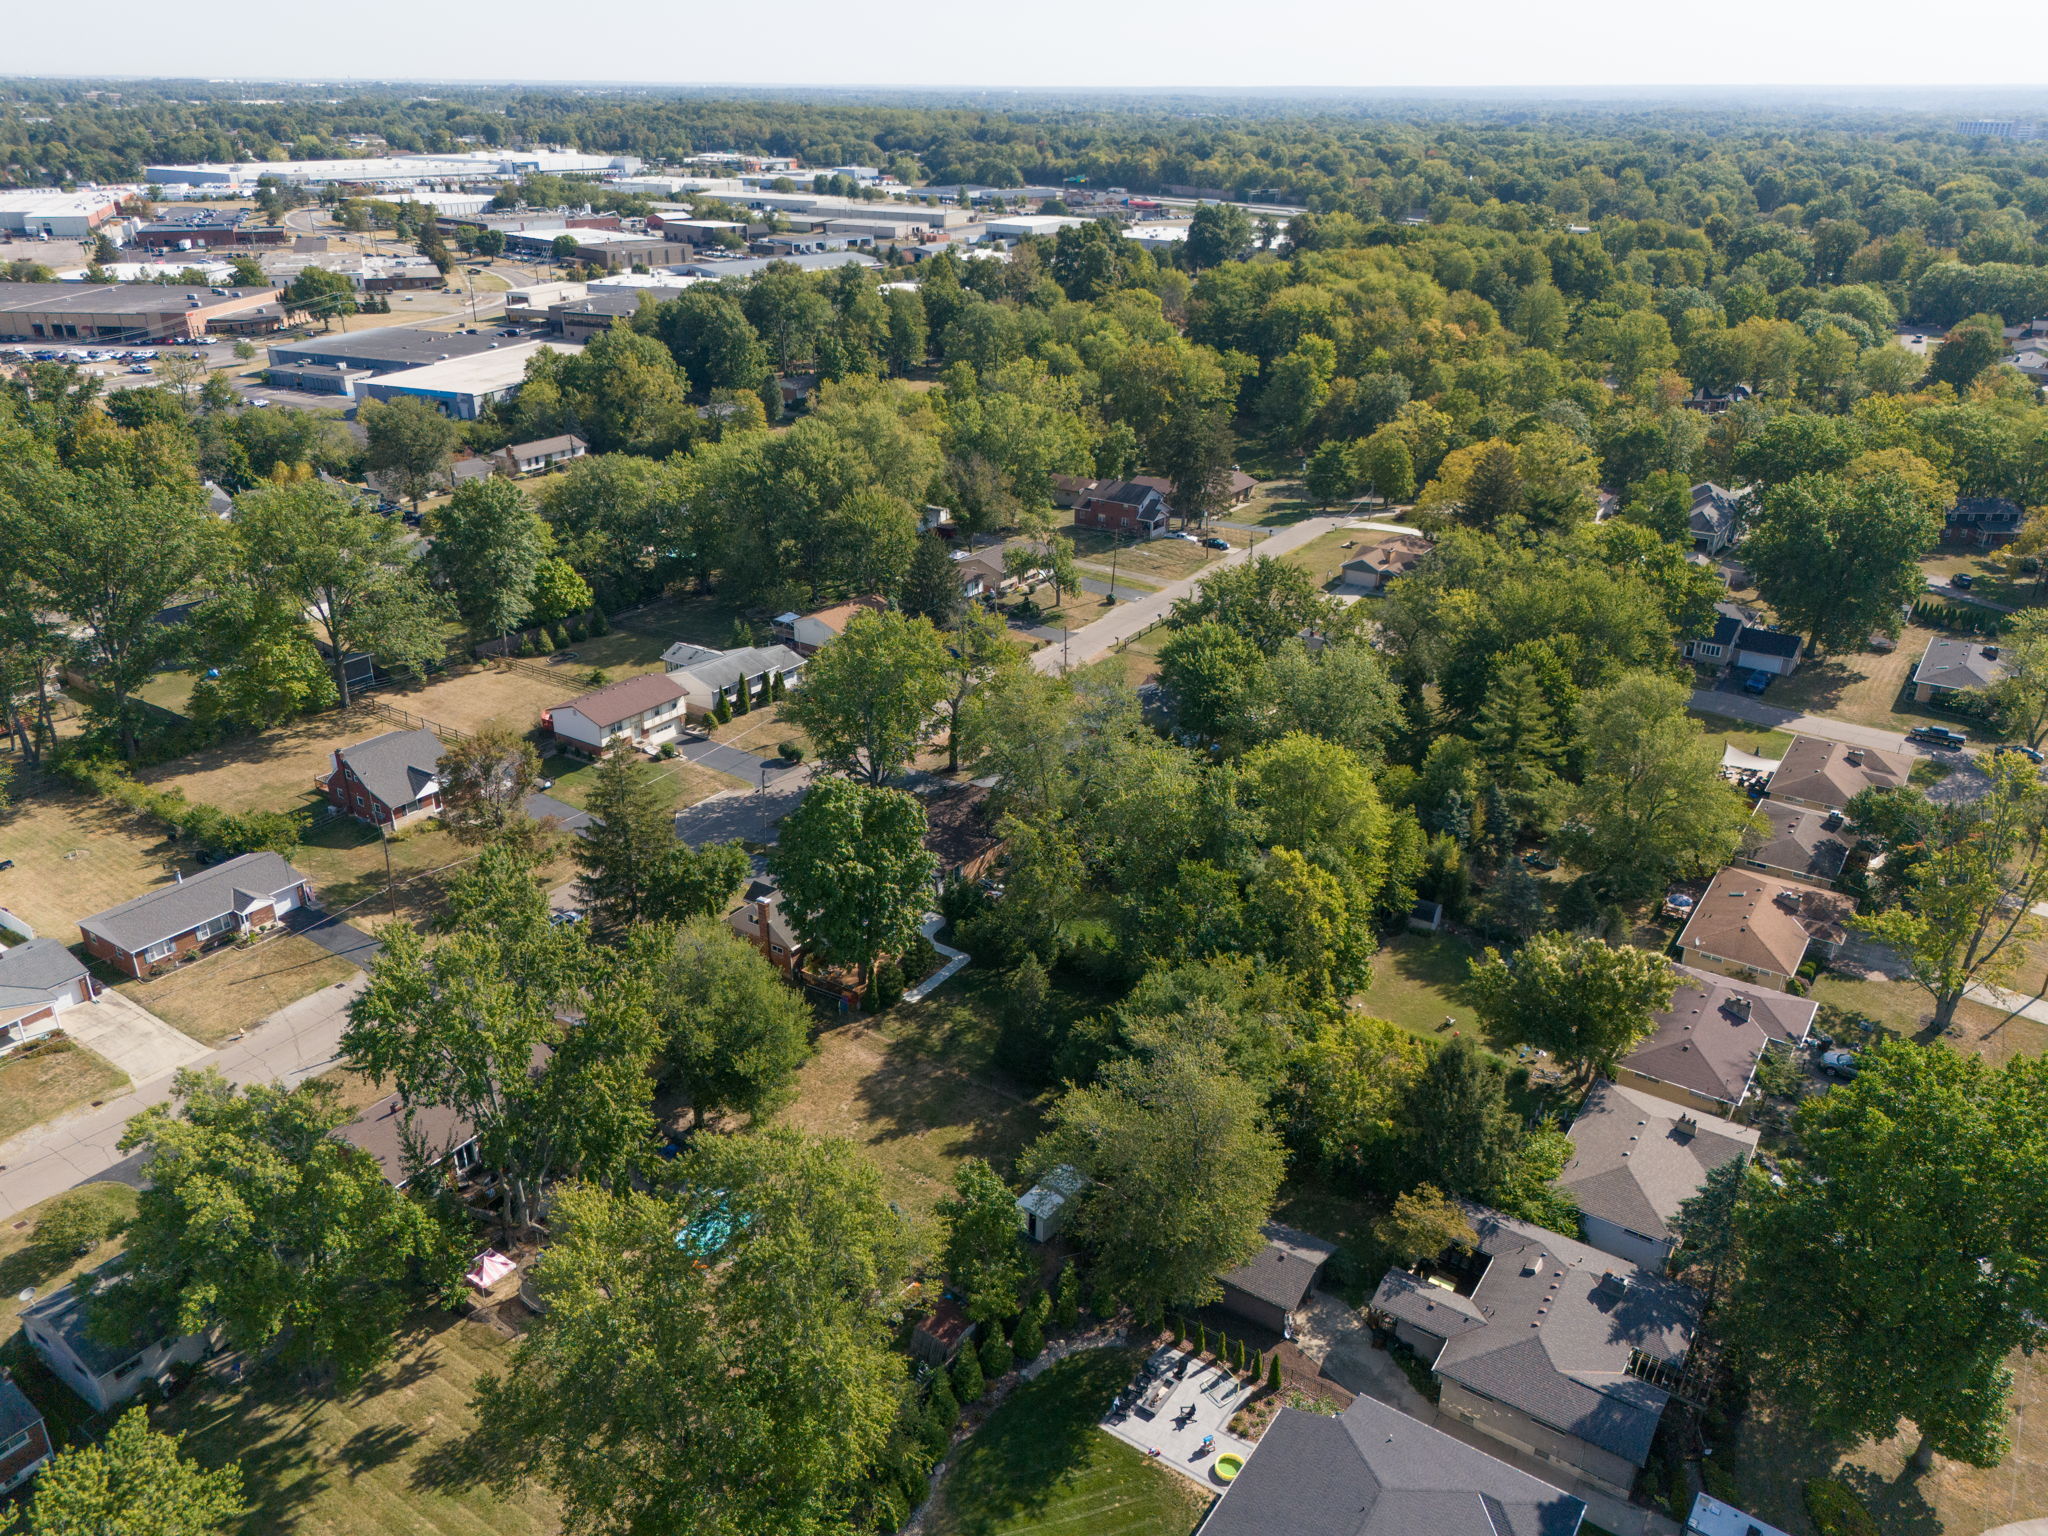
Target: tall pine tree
{"points": [[931, 588]]}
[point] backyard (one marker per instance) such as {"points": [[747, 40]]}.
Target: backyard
{"points": [[1042, 1464], [1323, 557], [1987, 566], [273, 771], [74, 856], [224, 993], [1417, 983]]}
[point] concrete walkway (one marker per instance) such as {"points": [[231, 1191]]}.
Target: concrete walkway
{"points": [[2035, 1008], [1128, 620], [296, 1042], [138, 1042], [956, 960]]}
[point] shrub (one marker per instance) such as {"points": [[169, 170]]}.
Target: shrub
{"points": [[596, 677], [1066, 1299], [599, 624], [777, 689], [1273, 1374], [789, 751], [1835, 1511], [576, 629], [885, 989], [743, 697], [1029, 1341], [723, 713], [668, 751]]}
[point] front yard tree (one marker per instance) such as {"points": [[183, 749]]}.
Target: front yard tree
{"points": [[1897, 1268], [410, 444], [485, 782], [984, 1256], [725, 1341], [1651, 803], [1183, 1172], [1581, 999], [343, 564], [931, 584], [2021, 694], [871, 698], [1964, 911], [1839, 559], [734, 1033], [258, 1220], [854, 871], [978, 649], [133, 1483], [488, 547], [634, 869]]}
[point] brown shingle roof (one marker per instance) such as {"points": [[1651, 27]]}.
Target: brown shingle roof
{"points": [[627, 697], [1711, 1037], [1761, 921], [1832, 773]]}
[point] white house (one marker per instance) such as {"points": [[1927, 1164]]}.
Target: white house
{"points": [[810, 633], [643, 712], [102, 1374], [706, 675]]}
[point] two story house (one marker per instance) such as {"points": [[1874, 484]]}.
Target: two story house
{"points": [[390, 781], [104, 1375], [640, 712]]}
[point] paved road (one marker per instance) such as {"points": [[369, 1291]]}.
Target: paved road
{"points": [[1127, 620], [1740, 706], [297, 1042]]}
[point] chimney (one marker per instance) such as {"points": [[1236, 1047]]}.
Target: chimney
{"points": [[1738, 1007], [1685, 1128]]}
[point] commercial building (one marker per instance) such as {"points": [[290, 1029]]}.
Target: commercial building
{"points": [[336, 364], [394, 172], [1635, 1160], [533, 302], [611, 249], [59, 215], [206, 229], [124, 312], [462, 386]]}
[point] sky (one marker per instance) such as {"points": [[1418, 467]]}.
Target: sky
{"points": [[1066, 44]]}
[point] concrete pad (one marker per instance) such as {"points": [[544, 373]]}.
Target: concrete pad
{"points": [[131, 1037], [1202, 1404]]}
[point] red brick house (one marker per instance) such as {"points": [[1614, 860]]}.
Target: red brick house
{"points": [[242, 895], [389, 781], [1122, 506], [38, 981], [24, 1440]]}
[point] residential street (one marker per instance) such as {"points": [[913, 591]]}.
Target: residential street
{"points": [[1127, 620], [297, 1042], [1738, 706]]}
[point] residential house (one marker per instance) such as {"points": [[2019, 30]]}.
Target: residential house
{"points": [[539, 457], [1737, 642], [1046, 1205], [958, 831], [1269, 1288], [392, 1134], [464, 470], [1635, 1160], [104, 1375], [1798, 842], [1716, 517], [810, 633], [390, 781], [642, 712], [1826, 775], [1955, 666], [1713, 403], [706, 675], [986, 573], [2031, 361], [1386, 557], [1373, 1471], [1547, 1344], [1983, 521], [1705, 1046], [24, 1438], [759, 919], [1237, 490], [1756, 927], [1123, 507], [39, 979], [241, 895], [980, 576]]}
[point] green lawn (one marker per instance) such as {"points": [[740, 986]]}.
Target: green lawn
{"points": [[26, 1265], [41, 1082], [1417, 981], [677, 783], [385, 1458], [1758, 742], [1041, 1464]]}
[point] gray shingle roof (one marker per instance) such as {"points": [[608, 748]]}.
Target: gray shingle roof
{"points": [[1559, 1335], [1373, 1471], [1408, 1298], [1833, 772], [1710, 1038], [1636, 1159], [566, 442], [1284, 1269], [1802, 840], [380, 1131], [1959, 664], [35, 972], [16, 1411], [170, 910], [722, 669], [397, 767]]}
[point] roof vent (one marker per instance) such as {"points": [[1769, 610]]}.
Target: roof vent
{"points": [[1533, 1265]]}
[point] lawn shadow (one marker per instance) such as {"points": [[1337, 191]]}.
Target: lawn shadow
{"points": [[910, 1094], [1042, 1437], [376, 1445], [1775, 1455]]}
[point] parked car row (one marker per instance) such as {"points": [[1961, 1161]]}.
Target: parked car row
{"points": [[79, 354]]}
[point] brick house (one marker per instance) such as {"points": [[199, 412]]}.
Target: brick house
{"points": [[389, 781], [1122, 506], [38, 981], [242, 895], [24, 1439]]}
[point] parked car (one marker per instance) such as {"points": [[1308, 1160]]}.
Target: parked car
{"points": [[1756, 682], [1938, 736], [1215, 543], [1962, 581], [565, 918], [1840, 1064], [140, 368], [259, 404], [2027, 752]]}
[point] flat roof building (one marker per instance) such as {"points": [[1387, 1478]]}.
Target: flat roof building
{"points": [[129, 312], [462, 386], [60, 215], [384, 350]]}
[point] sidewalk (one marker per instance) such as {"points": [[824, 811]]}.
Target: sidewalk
{"points": [[297, 1042]]}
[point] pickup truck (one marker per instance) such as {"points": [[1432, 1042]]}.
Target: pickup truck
{"points": [[1938, 736]]}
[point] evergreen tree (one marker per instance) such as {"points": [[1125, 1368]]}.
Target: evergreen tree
{"points": [[777, 688], [931, 587], [1495, 490], [1201, 1339], [1029, 1341], [723, 712], [1273, 1375], [968, 1382], [742, 697], [1066, 1302], [633, 868], [996, 1355]]}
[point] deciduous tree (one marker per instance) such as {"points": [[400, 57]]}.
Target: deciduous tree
{"points": [[871, 698], [1573, 995], [410, 444], [134, 1482], [855, 874], [984, 1253]]}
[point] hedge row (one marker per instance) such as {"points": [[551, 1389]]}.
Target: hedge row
{"points": [[206, 826]]}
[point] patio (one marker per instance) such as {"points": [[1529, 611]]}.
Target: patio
{"points": [[1200, 1404]]}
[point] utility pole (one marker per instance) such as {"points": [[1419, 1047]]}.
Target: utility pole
{"points": [[390, 886]]}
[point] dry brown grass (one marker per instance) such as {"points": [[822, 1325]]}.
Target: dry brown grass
{"points": [[225, 992], [480, 696], [1867, 687], [40, 1084], [74, 857], [760, 731], [24, 1266], [273, 771], [1323, 557]]}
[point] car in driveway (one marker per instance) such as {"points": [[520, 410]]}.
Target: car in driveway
{"points": [[1962, 581], [1215, 543], [1938, 736], [1839, 1064], [2036, 758], [1756, 682]]}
